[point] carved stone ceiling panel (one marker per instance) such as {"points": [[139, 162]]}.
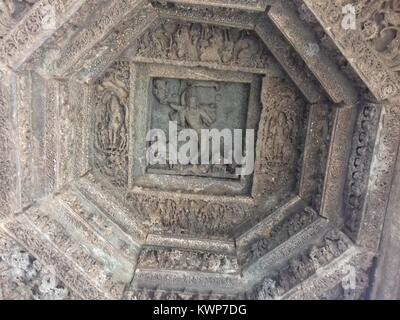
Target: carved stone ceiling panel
{"points": [[83, 215], [161, 76]]}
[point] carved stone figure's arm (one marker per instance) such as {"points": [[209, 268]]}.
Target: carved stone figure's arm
{"points": [[208, 114], [177, 107]]}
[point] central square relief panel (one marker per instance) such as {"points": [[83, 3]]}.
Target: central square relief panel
{"points": [[197, 105], [196, 99]]}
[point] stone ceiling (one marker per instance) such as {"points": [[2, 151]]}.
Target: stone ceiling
{"points": [[81, 82]]}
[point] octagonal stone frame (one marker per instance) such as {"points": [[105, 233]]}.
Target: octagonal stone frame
{"points": [[246, 204], [305, 186]]}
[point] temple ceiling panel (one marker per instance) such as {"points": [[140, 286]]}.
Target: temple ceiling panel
{"points": [[83, 82]]}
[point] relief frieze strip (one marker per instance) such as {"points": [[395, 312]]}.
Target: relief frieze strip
{"points": [[93, 64], [195, 44], [195, 64], [66, 130], [126, 218], [202, 282], [34, 29], [290, 60], [384, 158], [9, 186], [51, 136], [204, 218], [36, 106], [260, 229], [251, 5], [337, 86], [242, 200], [98, 258], [108, 16], [42, 249], [305, 265], [158, 294], [164, 258], [79, 94], [218, 16], [325, 278], [276, 235], [100, 223], [169, 71], [22, 91], [364, 139], [316, 151], [216, 246], [73, 249], [135, 77], [336, 168], [256, 271], [100, 248], [382, 81]]}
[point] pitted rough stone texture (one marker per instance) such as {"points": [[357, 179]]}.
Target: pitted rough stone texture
{"points": [[23, 277]]}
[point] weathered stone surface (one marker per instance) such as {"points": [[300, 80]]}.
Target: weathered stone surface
{"points": [[23, 277], [84, 216]]}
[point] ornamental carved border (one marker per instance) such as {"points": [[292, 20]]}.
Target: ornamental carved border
{"points": [[377, 66], [360, 162], [86, 230]]}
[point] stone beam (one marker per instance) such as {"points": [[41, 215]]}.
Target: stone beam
{"points": [[9, 187], [290, 60], [381, 175], [34, 29], [251, 5], [381, 79], [337, 86], [387, 276], [96, 60], [107, 17], [338, 157]]}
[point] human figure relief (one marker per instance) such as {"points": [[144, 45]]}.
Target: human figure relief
{"points": [[187, 109], [192, 45], [112, 131], [277, 132], [246, 48], [162, 42], [167, 91], [190, 113], [227, 50], [279, 135], [211, 44], [182, 39], [196, 42]]}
